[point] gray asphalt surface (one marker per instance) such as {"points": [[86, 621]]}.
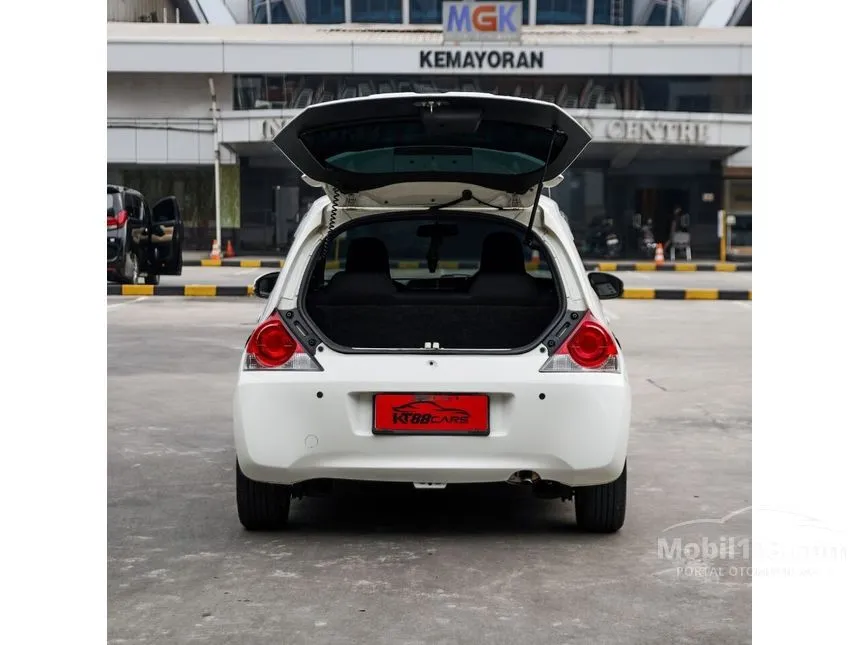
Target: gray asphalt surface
{"points": [[234, 276], [468, 566]]}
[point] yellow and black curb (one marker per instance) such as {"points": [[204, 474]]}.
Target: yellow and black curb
{"points": [[187, 290], [686, 294], [725, 267], [729, 267], [245, 264], [216, 291]]}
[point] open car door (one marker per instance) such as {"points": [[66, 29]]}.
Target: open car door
{"points": [[166, 234]]}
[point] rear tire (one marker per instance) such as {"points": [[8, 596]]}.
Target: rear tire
{"points": [[261, 506], [601, 509]]}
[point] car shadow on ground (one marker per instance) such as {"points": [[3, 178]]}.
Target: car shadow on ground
{"points": [[399, 509]]}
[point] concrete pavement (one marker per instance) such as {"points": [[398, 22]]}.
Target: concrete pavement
{"points": [[472, 565]]}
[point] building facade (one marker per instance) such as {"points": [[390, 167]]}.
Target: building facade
{"points": [[669, 107]]}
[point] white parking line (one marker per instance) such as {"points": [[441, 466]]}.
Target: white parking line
{"points": [[127, 302], [739, 303], [244, 271]]}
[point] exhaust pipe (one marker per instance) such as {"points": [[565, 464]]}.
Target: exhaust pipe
{"points": [[524, 477]]}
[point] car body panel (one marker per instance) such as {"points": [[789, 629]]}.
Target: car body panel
{"points": [[571, 427], [576, 435]]}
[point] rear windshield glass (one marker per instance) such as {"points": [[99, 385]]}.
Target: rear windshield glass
{"points": [[113, 204], [431, 159], [405, 145]]}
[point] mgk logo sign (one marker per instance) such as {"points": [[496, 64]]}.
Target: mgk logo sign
{"points": [[477, 21]]}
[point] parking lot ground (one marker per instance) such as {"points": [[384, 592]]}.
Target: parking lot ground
{"points": [[479, 564]]}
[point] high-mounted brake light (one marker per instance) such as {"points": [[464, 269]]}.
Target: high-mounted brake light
{"points": [[590, 348], [120, 219], [271, 346]]}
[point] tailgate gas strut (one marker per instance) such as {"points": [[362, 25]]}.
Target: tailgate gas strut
{"points": [[529, 238]]}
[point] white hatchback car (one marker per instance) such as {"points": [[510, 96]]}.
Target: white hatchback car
{"points": [[484, 357]]}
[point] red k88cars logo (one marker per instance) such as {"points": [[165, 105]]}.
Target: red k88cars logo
{"points": [[439, 413], [428, 412]]}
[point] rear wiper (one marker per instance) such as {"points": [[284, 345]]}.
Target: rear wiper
{"points": [[465, 197]]}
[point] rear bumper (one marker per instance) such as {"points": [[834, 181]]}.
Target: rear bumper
{"points": [[577, 434]]}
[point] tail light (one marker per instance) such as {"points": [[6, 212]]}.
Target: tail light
{"points": [[120, 219], [590, 348], [272, 347]]}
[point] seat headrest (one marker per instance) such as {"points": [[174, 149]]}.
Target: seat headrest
{"points": [[367, 255], [502, 253], [504, 289]]}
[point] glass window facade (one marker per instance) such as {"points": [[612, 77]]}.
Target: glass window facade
{"points": [[549, 12], [657, 17], [429, 12], [593, 193], [731, 95], [739, 204], [377, 11], [325, 12], [613, 12], [562, 12], [425, 12], [260, 12], [315, 12]]}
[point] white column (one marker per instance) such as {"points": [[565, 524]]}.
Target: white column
{"points": [[405, 12], [216, 142], [589, 12], [669, 6], [347, 11], [531, 19]]}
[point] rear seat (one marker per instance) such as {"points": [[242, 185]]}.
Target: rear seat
{"points": [[366, 278], [502, 277]]}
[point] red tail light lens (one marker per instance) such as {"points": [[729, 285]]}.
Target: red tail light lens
{"points": [[120, 219], [591, 347], [271, 344]]}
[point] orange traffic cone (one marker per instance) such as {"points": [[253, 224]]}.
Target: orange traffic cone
{"points": [[229, 253], [658, 256], [215, 254]]}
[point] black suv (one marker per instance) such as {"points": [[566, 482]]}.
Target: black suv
{"points": [[142, 243]]}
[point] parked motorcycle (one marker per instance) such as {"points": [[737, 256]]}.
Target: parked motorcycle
{"points": [[602, 240], [612, 245], [646, 243]]}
